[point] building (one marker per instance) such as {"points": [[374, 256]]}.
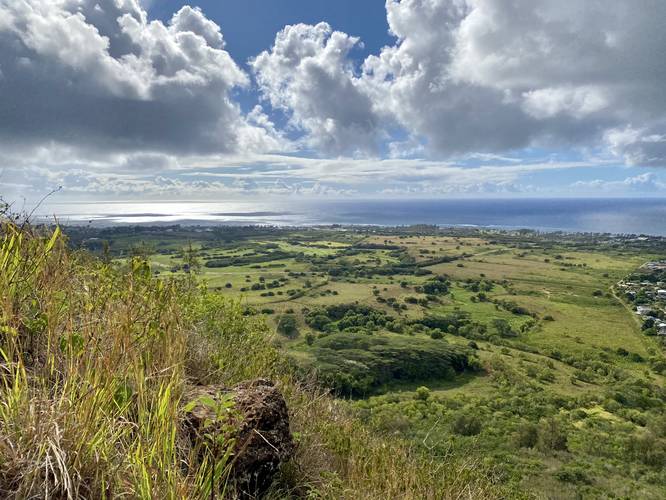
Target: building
{"points": [[643, 311]]}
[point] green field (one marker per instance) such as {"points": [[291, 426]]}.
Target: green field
{"points": [[510, 348]]}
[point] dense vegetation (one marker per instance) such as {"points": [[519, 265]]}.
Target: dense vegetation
{"points": [[356, 364]]}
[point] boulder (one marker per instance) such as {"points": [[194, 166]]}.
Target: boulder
{"points": [[259, 423]]}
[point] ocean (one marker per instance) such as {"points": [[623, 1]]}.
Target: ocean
{"points": [[617, 215]]}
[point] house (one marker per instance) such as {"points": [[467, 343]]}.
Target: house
{"points": [[661, 329], [661, 294], [643, 311]]}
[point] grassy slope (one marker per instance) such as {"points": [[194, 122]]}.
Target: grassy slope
{"points": [[545, 277], [95, 358]]}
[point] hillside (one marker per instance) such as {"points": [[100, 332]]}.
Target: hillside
{"points": [[97, 356], [513, 349]]}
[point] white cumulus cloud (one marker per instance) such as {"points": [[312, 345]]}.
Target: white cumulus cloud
{"points": [[97, 74], [480, 76], [309, 73]]}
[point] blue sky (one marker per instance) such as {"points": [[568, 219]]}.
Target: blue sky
{"points": [[252, 99], [249, 26]]}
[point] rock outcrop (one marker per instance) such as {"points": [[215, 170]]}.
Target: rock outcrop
{"points": [[259, 423]]}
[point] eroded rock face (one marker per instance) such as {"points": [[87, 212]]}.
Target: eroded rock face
{"points": [[260, 422]]}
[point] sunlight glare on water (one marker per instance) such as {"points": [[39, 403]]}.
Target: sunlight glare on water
{"points": [[620, 215]]}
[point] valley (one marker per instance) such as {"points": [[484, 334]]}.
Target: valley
{"points": [[511, 349]]}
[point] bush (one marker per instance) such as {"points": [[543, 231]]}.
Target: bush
{"points": [[288, 326], [503, 328], [645, 448], [422, 393], [466, 425], [436, 334], [527, 435], [573, 474], [552, 435]]}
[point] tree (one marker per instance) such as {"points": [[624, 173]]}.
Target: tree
{"points": [[287, 326], [503, 328], [318, 321]]}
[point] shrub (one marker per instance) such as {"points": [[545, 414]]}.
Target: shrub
{"points": [[436, 334], [422, 393], [466, 424], [527, 435], [552, 435], [503, 328], [288, 326], [573, 474], [546, 376]]}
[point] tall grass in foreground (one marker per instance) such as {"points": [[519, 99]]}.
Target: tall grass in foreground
{"points": [[92, 371], [94, 360]]}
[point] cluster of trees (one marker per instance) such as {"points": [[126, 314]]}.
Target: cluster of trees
{"points": [[480, 285], [343, 268], [456, 323], [358, 365], [439, 285], [512, 307], [348, 318], [242, 260], [405, 264]]}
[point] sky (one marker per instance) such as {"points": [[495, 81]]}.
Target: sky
{"points": [[259, 99]]}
